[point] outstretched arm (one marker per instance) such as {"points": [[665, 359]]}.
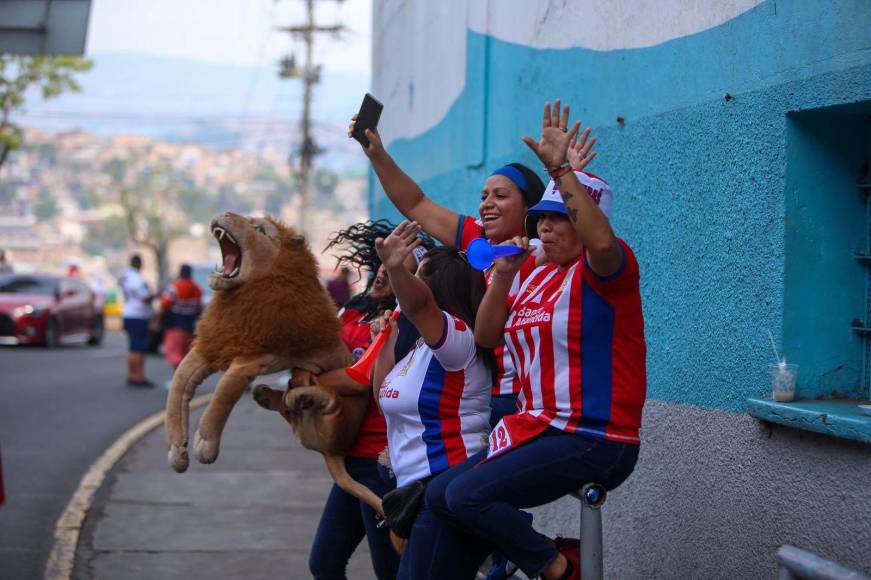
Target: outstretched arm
{"points": [[436, 220], [413, 295], [603, 252]]}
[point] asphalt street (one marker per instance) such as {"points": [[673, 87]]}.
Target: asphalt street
{"points": [[61, 408]]}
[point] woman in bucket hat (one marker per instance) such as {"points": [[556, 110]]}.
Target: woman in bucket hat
{"points": [[575, 332], [506, 196]]}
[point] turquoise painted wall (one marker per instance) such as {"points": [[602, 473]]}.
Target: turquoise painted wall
{"points": [[699, 179]]}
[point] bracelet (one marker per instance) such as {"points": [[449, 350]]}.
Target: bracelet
{"points": [[557, 168], [558, 172]]}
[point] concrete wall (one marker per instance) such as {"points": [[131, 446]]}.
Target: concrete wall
{"points": [[699, 107]]}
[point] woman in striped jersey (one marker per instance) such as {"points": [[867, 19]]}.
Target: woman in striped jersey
{"points": [[436, 399], [575, 332], [505, 197]]}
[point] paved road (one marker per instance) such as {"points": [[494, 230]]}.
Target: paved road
{"points": [[61, 408]]}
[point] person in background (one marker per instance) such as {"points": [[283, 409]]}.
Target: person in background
{"points": [[5, 266], [340, 287], [181, 305], [137, 313]]}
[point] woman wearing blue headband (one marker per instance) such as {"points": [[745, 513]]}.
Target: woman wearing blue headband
{"points": [[507, 195]]}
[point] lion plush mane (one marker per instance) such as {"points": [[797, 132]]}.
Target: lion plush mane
{"points": [[286, 310]]}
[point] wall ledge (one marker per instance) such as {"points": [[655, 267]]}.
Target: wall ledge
{"points": [[838, 418]]}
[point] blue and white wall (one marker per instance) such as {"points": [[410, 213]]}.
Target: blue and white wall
{"points": [[707, 187]]}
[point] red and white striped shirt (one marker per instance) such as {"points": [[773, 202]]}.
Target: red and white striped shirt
{"points": [[506, 382], [577, 342]]}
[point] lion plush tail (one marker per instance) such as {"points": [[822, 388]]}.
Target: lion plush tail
{"points": [[336, 467]]}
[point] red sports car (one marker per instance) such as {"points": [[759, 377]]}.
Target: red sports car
{"points": [[48, 310]]}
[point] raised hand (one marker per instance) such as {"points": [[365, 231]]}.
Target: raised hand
{"points": [[395, 248], [579, 154], [375, 145], [384, 320], [552, 147]]}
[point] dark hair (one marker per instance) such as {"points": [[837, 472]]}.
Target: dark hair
{"points": [[457, 288], [136, 261], [364, 303], [358, 243], [185, 271], [534, 187]]}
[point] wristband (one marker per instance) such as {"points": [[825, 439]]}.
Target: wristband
{"points": [[558, 172]]}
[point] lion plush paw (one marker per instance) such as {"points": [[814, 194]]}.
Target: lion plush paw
{"points": [[178, 458], [267, 398], [299, 400], [205, 450]]}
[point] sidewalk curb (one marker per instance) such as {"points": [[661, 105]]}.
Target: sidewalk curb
{"points": [[66, 532]]}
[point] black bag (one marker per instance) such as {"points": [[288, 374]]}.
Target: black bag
{"points": [[401, 506]]}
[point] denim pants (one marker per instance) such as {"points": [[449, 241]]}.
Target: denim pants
{"points": [[501, 405], [438, 550], [344, 522], [486, 498]]}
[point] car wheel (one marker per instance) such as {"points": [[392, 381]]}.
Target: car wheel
{"points": [[96, 338], [52, 334]]}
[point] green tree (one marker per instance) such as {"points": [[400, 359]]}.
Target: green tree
{"points": [[149, 198], [46, 206], [108, 234], [51, 75]]}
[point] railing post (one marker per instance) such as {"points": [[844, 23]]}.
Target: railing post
{"points": [[592, 496]]}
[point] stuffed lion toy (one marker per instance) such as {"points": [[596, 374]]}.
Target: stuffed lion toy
{"points": [[269, 313]]}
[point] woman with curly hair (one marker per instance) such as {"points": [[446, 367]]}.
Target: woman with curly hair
{"points": [[346, 519]]}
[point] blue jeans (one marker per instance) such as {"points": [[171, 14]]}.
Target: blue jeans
{"points": [[486, 499], [501, 405], [438, 549], [345, 521]]}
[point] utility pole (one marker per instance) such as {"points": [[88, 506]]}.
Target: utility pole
{"points": [[310, 75]]}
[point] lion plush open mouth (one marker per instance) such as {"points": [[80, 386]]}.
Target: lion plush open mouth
{"points": [[230, 251]]}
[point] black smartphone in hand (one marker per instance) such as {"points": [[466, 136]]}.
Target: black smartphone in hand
{"points": [[367, 118]]}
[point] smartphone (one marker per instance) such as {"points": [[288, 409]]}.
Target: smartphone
{"points": [[367, 118]]}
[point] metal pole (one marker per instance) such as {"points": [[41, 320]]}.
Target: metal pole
{"points": [[310, 75], [592, 497], [794, 563], [305, 161]]}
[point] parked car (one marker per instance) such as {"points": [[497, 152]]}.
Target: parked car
{"points": [[48, 310]]}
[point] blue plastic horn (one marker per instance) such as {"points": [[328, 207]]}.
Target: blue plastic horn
{"points": [[481, 253]]}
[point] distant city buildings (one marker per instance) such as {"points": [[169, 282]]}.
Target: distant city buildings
{"points": [[60, 197]]}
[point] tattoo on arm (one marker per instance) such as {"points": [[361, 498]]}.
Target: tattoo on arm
{"points": [[573, 214]]}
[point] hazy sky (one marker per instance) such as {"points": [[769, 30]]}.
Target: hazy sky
{"points": [[229, 31]]}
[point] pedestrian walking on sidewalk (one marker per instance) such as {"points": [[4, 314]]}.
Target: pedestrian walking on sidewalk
{"points": [[181, 305], [137, 314]]}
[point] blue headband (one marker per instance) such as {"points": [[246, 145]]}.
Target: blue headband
{"points": [[514, 175]]}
